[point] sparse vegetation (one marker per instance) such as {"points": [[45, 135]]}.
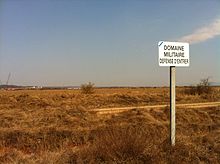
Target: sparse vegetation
{"points": [[202, 88], [117, 144], [55, 126], [87, 88]]}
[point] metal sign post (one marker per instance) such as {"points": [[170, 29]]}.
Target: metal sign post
{"points": [[173, 54], [172, 104]]}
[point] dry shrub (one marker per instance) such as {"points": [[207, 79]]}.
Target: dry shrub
{"points": [[202, 88], [87, 88], [116, 144]]}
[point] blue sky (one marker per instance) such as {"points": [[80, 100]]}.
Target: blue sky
{"points": [[110, 43]]}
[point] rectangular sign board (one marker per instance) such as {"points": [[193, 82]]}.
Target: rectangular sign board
{"points": [[173, 54]]}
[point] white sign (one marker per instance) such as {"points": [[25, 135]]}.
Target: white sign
{"points": [[173, 54]]}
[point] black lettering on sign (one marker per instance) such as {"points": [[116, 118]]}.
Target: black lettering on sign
{"points": [[182, 61], [179, 54], [170, 47], [166, 61], [167, 54]]}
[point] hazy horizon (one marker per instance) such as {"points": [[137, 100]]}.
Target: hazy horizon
{"points": [[110, 43]]}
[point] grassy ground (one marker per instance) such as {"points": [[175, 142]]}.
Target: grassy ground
{"points": [[101, 98], [57, 127]]}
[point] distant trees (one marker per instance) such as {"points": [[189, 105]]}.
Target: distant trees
{"points": [[87, 88]]}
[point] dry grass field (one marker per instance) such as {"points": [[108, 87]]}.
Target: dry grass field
{"points": [[59, 126]]}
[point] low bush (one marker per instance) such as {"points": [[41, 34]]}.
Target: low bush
{"points": [[202, 88], [87, 88]]}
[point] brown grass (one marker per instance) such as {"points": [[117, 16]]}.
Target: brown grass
{"points": [[116, 144], [58, 127], [112, 97]]}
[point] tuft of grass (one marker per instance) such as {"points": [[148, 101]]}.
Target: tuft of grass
{"points": [[116, 144]]}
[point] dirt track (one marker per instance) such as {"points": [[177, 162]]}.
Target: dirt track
{"points": [[123, 109]]}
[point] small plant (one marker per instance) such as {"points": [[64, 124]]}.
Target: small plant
{"points": [[87, 88], [202, 88]]}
